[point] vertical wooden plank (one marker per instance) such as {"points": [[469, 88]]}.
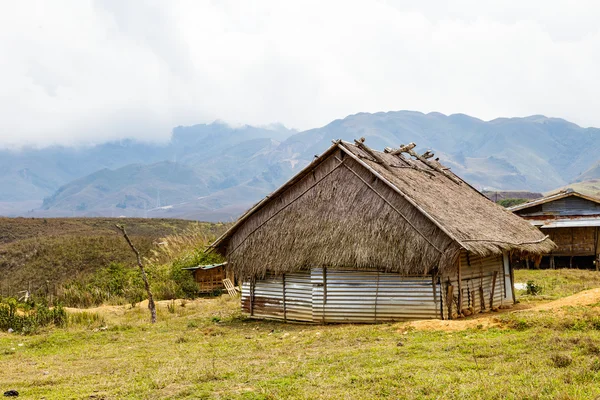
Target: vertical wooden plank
{"points": [[284, 301], [450, 300], [512, 281], [460, 291], [252, 287], [596, 248], [493, 289], [435, 296], [481, 299]]}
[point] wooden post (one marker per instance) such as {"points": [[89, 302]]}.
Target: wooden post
{"points": [[493, 289], [284, 302], [481, 299], [512, 281], [449, 300], [460, 291], [435, 295], [324, 293], [252, 284], [552, 263], [596, 249]]}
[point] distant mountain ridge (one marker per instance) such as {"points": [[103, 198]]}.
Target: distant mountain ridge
{"points": [[214, 171]]}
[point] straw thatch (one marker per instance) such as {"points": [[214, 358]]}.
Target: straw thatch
{"points": [[350, 210]]}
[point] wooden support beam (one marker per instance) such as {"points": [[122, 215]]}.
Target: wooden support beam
{"points": [[435, 295], [427, 155], [493, 290], [361, 145], [402, 149], [481, 299], [284, 299], [450, 300], [435, 167], [460, 292]]}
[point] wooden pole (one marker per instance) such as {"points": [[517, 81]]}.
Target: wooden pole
{"points": [[434, 294], [284, 302], [481, 299], [324, 292], [252, 286], [450, 300], [596, 248], [361, 144], [512, 280], [493, 289], [460, 292]]}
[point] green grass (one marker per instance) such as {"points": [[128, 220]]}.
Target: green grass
{"points": [[556, 283], [205, 349]]}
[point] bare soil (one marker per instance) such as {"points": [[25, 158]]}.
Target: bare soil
{"points": [[488, 320]]}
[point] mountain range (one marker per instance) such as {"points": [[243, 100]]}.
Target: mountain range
{"points": [[216, 171]]}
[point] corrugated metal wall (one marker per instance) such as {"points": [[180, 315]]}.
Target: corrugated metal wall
{"points": [[330, 296], [343, 296], [359, 296]]}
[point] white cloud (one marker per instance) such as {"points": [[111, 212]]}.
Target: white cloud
{"points": [[84, 71]]}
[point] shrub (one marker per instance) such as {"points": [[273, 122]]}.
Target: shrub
{"points": [[533, 289], [30, 320]]}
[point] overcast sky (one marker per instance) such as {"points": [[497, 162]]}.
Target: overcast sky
{"points": [[85, 71]]}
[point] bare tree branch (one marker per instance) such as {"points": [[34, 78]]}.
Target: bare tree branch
{"points": [[151, 304]]}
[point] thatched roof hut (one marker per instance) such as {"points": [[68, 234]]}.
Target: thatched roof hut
{"points": [[354, 207]]}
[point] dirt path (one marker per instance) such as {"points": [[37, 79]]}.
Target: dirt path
{"points": [[120, 310], [488, 320]]}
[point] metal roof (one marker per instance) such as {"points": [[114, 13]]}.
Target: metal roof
{"points": [[205, 267], [570, 223]]}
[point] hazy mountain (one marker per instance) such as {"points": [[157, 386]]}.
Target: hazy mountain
{"points": [[29, 175], [215, 171]]}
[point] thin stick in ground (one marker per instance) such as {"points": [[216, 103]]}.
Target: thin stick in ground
{"points": [[151, 304]]}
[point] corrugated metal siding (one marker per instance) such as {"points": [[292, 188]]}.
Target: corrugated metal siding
{"points": [[361, 296], [343, 296], [298, 296], [477, 272], [268, 298]]}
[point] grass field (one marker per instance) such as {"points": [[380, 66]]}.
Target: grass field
{"points": [[206, 349]]}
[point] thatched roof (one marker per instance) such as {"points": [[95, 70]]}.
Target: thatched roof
{"points": [[353, 207]]}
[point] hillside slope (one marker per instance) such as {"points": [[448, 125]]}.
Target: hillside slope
{"points": [[38, 252]]}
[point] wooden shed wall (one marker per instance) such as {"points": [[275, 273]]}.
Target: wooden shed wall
{"points": [[580, 241], [567, 206], [209, 280], [478, 273]]}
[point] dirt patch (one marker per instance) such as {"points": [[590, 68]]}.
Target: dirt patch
{"points": [[488, 320], [481, 322], [584, 298]]}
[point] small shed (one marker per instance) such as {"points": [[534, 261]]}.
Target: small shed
{"points": [[361, 235], [572, 220], [210, 277]]}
